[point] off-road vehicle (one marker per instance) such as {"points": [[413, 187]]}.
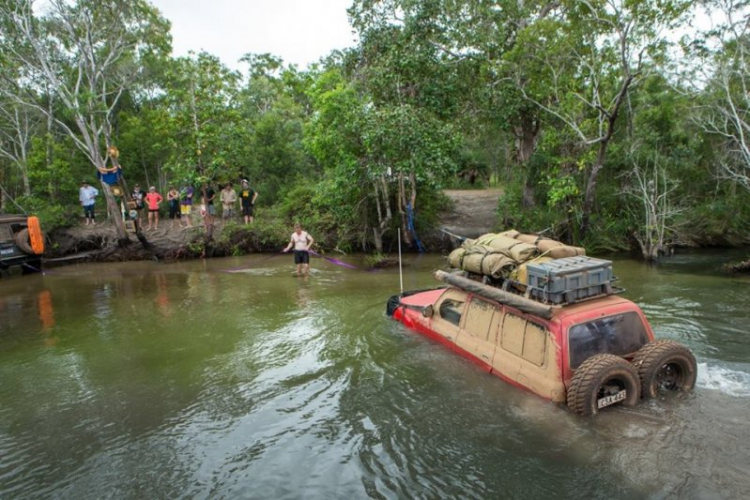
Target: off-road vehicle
{"points": [[591, 349], [21, 243]]}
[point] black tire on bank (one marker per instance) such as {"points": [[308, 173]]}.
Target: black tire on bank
{"points": [[601, 376], [665, 365], [23, 242]]}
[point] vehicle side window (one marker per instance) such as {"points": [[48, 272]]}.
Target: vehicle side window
{"points": [[450, 311], [620, 334], [524, 339], [478, 318], [535, 344], [512, 339]]}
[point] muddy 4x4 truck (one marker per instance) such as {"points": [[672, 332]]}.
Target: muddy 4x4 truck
{"points": [[21, 243], [593, 353]]}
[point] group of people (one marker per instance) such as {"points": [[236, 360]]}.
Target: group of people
{"points": [[180, 203]]}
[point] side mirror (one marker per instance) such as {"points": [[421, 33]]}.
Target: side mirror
{"points": [[428, 311]]}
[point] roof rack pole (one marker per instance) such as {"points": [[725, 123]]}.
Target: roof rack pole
{"points": [[495, 294]]}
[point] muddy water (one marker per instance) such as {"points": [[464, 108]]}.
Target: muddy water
{"points": [[233, 379]]}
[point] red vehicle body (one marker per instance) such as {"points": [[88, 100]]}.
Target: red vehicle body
{"points": [[607, 341]]}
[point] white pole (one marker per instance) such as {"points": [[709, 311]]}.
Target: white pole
{"points": [[400, 269]]}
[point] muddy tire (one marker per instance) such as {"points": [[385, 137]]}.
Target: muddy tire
{"points": [[599, 377], [665, 366], [23, 242]]}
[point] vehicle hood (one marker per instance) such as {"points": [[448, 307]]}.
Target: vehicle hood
{"points": [[422, 299]]}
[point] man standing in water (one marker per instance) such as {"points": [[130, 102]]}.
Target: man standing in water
{"points": [[302, 242]]}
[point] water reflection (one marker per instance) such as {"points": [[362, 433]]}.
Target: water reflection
{"points": [[230, 378]]}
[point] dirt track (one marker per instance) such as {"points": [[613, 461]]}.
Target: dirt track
{"points": [[474, 211]]}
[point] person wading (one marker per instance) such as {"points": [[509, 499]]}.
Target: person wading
{"points": [[302, 243]]}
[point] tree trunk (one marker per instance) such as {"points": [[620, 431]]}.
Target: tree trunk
{"points": [[381, 193], [588, 202], [25, 179], [377, 238], [402, 209], [116, 215], [526, 138], [590, 196]]}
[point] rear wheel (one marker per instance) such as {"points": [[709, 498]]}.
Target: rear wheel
{"points": [[23, 242], [665, 366], [601, 381]]}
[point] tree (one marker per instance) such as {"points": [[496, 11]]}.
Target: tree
{"points": [[203, 103], [653, 192], [588, 61], [87, 54], [18, 125], [722, 64]]}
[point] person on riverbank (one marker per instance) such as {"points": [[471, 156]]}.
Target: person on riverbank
{"points": [[228, 201], [87, 196], [137, 196], [209, 194], [173, 198], [302, 243], [186, 207], [153, 199], [247, 199]]}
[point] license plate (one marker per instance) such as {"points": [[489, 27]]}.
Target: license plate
{"points": [[610, 400], [8, 251]]}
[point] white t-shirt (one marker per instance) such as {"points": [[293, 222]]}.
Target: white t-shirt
{"points": [[300, 240], [87, 195]]}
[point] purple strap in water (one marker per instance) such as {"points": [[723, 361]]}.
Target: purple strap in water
{"points": [[334, 261]]}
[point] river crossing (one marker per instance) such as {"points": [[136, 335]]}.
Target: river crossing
{"points": [[229, 378]]}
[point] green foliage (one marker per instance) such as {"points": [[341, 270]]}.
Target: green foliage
{"points": [[520, 93]]}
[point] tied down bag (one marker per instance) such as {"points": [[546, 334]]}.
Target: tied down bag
{"points": [[483, 260], [551, 248], [517, 250]]}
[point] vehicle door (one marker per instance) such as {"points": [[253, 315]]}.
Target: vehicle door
{"points": [[478, 338], [448, 314], [527, 355]]}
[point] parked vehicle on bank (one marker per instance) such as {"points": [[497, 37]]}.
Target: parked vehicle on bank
{"points": [[577, 344], [21, 242]]}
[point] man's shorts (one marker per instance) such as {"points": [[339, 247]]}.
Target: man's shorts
{"points": [[211, 210], [247, 210], [186, 209], [301, 257]]}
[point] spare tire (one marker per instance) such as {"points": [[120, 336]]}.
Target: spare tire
{"points": [[665, 365], [23, 242], [601, 381]]}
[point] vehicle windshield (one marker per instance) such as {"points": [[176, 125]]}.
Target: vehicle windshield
{"points": [[619, 335]]}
